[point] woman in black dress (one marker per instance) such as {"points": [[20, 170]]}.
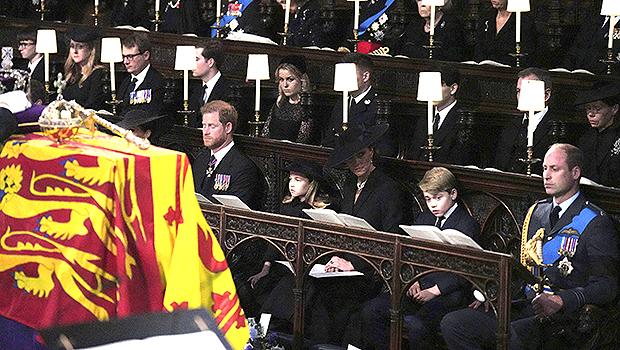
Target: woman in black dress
{"points": [[83, 74], [448, 35], [289, 119], [334, 316], [497, 35]]}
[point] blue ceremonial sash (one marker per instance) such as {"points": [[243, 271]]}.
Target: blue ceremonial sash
{"points": [[226, 19], [567, 237], [364, 25]]}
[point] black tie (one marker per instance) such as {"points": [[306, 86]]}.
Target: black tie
{"points": [[439, 221], [204, 93], [436, 123], [554, 216], [212, 162], [132, 85]]}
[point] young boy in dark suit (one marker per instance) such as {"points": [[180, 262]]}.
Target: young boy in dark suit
{"points": [[435, 294]]}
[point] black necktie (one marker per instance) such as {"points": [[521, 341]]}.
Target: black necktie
{"points": [[436, 123], [212, 162], [439, 221], [554, 216], [204, 93], [132, 85]]}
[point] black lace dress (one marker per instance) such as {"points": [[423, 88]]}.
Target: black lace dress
{"points": [[291, 122]]}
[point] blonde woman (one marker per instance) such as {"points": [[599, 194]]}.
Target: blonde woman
{"points": [[288, 118], [82, 72]]}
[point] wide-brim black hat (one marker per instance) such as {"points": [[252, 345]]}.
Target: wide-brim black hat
{"points": [[83, 34], [137, 117], [599, 91], [307, 168], [352, 141]]}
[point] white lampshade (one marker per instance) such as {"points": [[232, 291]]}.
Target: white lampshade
{"points": [[258, 67], [518, 6], [532, 96], [185, 58], [433, 2], [111, 50], [46, 41], [610, 8], [345, 77], [429, 86]]}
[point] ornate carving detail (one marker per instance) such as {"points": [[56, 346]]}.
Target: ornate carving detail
{"points": [[309, 254], [230, 240], [450, 262], [213, 219], [491, 289], [355, 244], [386, 267], [291, 251], [407, 272], [251, 227]]}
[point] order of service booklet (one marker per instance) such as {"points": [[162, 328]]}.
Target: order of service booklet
{"points": [[432, 233], [231, 201], [330, 216]]}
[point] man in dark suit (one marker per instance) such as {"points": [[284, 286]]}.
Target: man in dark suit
{"points": [[362, 106], [513, 141], [213, 85], [579, 246], [144, 88], [225, 169], [456, 141], [33, 61]]}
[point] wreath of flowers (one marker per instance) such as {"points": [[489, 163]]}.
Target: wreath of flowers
{"points": [[259, 340]]}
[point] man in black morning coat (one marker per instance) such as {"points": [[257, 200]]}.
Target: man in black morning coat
{"points": [[213, 85], [144, 88], [225, 169], [580, 245], [513, 141], [456, 142]]}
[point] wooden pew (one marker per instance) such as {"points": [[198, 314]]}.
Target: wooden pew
{"points": [[398, 260]]}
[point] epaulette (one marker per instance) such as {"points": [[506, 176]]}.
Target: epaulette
{"points": [[595, 208]]}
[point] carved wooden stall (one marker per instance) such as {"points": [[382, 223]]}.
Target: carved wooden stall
{"points": [[398, 260], [487, 93]]}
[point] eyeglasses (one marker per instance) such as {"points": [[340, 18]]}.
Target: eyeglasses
{"points": [[131, 57], [23, 43]]}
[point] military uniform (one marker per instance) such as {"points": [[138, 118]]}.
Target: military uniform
{"points": [[582, 248]]}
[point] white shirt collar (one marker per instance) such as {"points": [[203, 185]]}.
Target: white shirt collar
{"points": [[211, 83], [219, 155], [450, 211], [444, 112], [537, 117], [140, 77], [362, 95], [564, 205], [33, 65]]}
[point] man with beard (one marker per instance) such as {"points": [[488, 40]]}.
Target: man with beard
{"points": [[225, 169]]}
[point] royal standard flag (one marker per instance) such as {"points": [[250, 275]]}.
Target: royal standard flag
{"points": [[95, 228]]}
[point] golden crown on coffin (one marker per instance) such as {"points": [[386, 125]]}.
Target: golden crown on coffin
{"points": [[61, 119]]}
